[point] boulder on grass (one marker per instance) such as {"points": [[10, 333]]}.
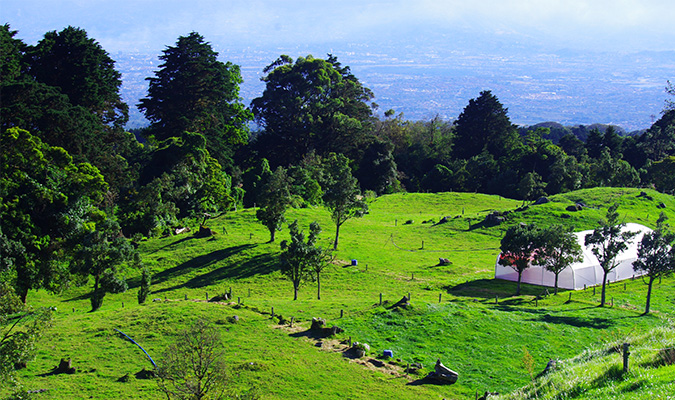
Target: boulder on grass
{"points": [[443, 374], [319, 328], [318, 324], [65, 367], [575, 207], [542, 200], [403, 303], [204, 231]]}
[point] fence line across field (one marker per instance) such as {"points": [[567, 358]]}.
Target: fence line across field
{"points": [[391, 239]]}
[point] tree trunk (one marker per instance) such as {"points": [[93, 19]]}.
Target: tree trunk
{"points": [[337, 234], [649, 293], [273, 232], [23, 294], [318, 286], [555, 285], [95, 303], [520, 275], [602, 295], [295, 290]]}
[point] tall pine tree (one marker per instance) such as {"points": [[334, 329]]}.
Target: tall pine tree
{"points": [[193, 91]]}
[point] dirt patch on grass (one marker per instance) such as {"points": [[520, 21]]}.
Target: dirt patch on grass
{"points": [[384, 367], [297, 328], [333, 345]]}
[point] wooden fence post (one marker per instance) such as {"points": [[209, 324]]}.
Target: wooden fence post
{"points": [[626, 353]]}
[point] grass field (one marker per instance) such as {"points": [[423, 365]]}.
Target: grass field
{"points": [[454, 316]]}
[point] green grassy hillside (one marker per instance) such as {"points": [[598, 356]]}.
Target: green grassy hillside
{"points": [[454, 316]]}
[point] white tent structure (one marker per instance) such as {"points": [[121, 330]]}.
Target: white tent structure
{"points": [[584, 273]]}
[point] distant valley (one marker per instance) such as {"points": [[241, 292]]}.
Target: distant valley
{"points": [[434, 80]]}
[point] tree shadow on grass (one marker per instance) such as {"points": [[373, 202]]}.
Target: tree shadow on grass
{"points": [[426, 380], [579, 322], [198, 262], [181, 240], [258, 265], [489, 288]]}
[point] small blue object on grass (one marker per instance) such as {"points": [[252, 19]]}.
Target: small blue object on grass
{"points": [[388, 353], [354, 262]]}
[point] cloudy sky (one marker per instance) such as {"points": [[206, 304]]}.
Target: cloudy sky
{"points": [[616, 25]]}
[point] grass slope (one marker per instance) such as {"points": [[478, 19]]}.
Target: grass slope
{"points": [[397, 246]]}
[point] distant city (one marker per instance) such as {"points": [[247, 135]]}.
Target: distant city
{"points": [[431, 80]]}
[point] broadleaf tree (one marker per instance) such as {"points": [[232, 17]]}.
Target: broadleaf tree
{"points": [[20, 331], [101, 252], [519, 246], [656, 255], [301, 259], [45, 197], [607, 241], [341, 193], [311, 104], [274, 200], [560, 249], [320, 257], [194, 367]]}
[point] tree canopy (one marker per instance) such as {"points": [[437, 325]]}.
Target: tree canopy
{"points": [[311, 105], [484, 125], [656, 255], [82, 70], [341, 193], [193, 91], [607, 241], [519, 246], [46, 199], [66, 91], [560, 249], [275, 198], [300, 258]]}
